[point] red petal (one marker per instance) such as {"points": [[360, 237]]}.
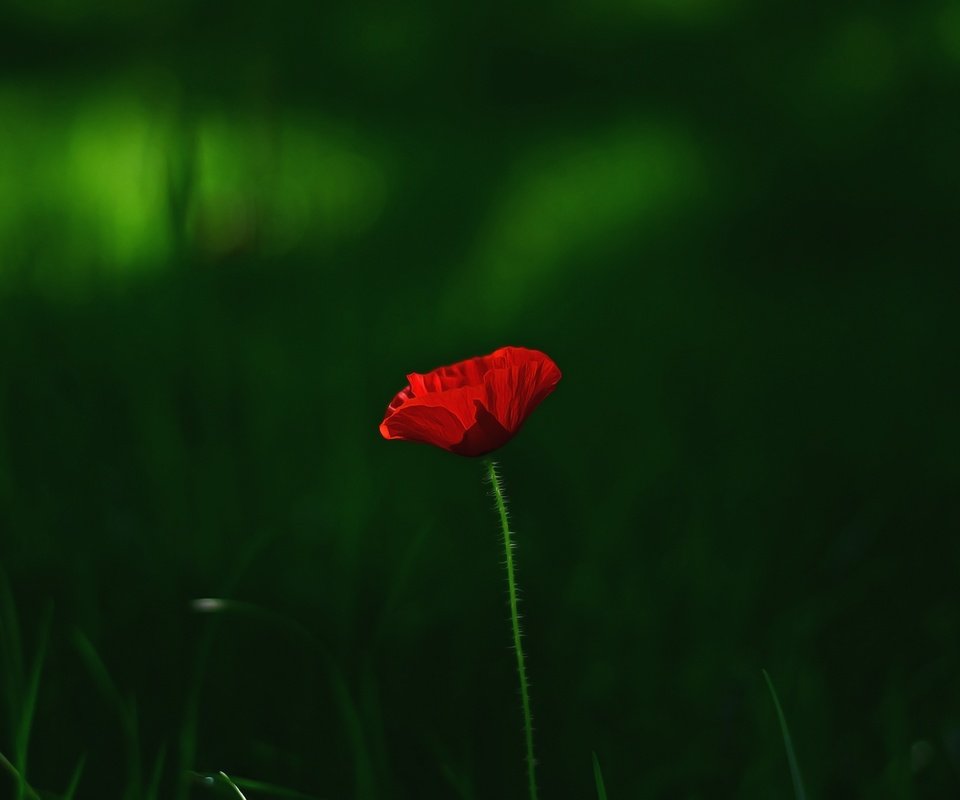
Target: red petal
{"points": [[484, 435], [516, 389], [418, 423], [475, 405]]}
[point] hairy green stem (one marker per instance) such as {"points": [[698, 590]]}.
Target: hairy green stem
{"points": [[508, 546]]}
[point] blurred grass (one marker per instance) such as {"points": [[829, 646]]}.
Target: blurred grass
{"points": [[795, 776], [598, 778], [227, 233]]}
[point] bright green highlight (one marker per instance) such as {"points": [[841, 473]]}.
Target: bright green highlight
{"points": [[497, 484]]}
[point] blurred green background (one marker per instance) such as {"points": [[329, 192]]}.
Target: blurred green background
{"points": [[228, 231]]}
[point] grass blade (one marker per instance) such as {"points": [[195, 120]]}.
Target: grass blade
{"points": [[11, 643], [153, 788], [271, 789], [127, 712], [28, 790], [460, 783], [29, 706], [236, 784], [787, 742], [11, 650], [226, 779], [190, 725], [598, 777], [350, 713], [75, 779]]}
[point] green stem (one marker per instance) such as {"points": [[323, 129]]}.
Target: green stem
{"points": [[508, 546]]}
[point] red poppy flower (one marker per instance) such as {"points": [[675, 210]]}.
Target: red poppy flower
{"points": [[473, 406]]}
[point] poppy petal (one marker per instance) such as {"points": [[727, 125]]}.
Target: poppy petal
{"points": [[473, 406], [461, 402], [455, 376], [512, 392], [484, 435], [419, 423]]}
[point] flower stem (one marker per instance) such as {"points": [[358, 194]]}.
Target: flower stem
{"points": [[497, 484]]}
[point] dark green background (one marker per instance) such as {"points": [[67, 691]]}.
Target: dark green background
{"points": [[228, 231]]}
